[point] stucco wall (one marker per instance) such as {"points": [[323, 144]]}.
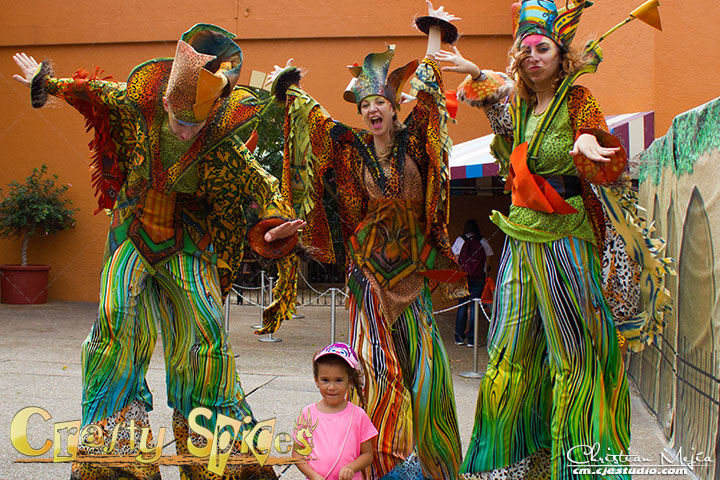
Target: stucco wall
{"points": [[668, 72]]}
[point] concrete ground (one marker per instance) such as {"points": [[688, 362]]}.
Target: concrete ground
{"points": [[40, 366]]}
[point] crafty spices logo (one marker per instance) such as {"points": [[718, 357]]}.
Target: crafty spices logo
{"points": [[588, 460], [219, 450]]}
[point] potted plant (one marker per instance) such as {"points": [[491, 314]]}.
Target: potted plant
{"points": [[31, 208]]}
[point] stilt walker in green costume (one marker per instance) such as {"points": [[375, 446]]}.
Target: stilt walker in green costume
{"points": [[555, 388], [172, 169]]}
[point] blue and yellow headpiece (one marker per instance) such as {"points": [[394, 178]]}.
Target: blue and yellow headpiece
{"points": [[542, 17]]}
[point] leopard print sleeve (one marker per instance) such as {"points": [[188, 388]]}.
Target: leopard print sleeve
{"points": [[584, 110], [430, 118], [491, 92], [489, 88], [73, 90], [500, 119]]}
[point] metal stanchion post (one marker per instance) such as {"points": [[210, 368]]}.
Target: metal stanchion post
{"points": [[270, 338], [262, 288], [333, 292], [476, 321], [226, 314], [297, 315], [262, 299]]}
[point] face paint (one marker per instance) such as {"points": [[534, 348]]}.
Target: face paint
{"points": [[531, 40], [542, 64]]}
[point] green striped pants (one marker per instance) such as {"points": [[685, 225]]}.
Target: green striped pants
{"points": [[555, 379], [183, 296], [409, 392]]}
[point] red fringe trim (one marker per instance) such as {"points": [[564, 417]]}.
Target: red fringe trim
{"points": [[105, 173]]}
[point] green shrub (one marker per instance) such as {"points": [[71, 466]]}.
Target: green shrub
{"points": [[35, 207]]}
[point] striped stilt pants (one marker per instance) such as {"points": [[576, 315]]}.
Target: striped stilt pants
{"points": [[555, 377], [184, 298], [409, 391]]}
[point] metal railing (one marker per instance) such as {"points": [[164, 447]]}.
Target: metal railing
{"points": [[307, 294], [682, 389], [332, 297]]}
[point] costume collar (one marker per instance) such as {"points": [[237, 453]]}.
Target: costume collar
{"points": [[145, 88]]}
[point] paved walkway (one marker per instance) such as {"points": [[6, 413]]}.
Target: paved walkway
{"points": [[40, 366]]}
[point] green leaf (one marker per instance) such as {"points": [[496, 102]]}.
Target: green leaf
{"points": [[35, 206]]}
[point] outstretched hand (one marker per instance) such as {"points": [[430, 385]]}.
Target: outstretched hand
{"points": [[276, 71], [459, 63], [434, 34], [588, 145], [284, 230], [28, 66], [440, 13]]}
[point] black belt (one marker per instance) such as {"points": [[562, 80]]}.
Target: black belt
{"points": [[566, 185]]}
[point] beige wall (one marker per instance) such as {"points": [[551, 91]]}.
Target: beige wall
{"points": [[668, 72]]}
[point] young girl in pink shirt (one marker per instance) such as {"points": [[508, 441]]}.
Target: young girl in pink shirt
{"points": [[333, 435]]}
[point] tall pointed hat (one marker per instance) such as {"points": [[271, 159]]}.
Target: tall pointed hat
{"points": [[206, 67]]}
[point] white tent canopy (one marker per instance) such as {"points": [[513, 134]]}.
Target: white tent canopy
{"points": [[472, 159]]}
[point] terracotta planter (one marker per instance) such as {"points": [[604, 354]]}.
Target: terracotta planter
{"points": [[24, 285]]}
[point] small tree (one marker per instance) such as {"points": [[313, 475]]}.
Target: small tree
{"points": [[271, 135], [35, 207]]}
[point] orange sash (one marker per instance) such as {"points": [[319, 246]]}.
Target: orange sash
{"points": [[530, 190]]}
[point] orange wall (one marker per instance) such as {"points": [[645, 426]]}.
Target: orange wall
{"points": [[643, 70]]}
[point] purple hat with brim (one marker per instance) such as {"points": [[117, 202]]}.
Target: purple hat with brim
{"points": [[342, 350]]}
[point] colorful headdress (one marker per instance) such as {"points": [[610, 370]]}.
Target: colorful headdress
{"points": [[206, 67], [372, 78], [541, 17]]}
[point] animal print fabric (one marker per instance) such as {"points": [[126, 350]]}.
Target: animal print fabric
{"points": [[119, 444], [200, 472], [535, 467], [127, 119], [317, 146]]}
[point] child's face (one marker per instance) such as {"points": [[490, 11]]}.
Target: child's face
{"points": [[333, 383]]}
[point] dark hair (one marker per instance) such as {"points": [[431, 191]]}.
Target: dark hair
{"points": [[471, 226], [572, 59], [353, 375]]}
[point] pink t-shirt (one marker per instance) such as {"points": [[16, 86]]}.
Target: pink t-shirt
{"points": [[336, 438]]}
